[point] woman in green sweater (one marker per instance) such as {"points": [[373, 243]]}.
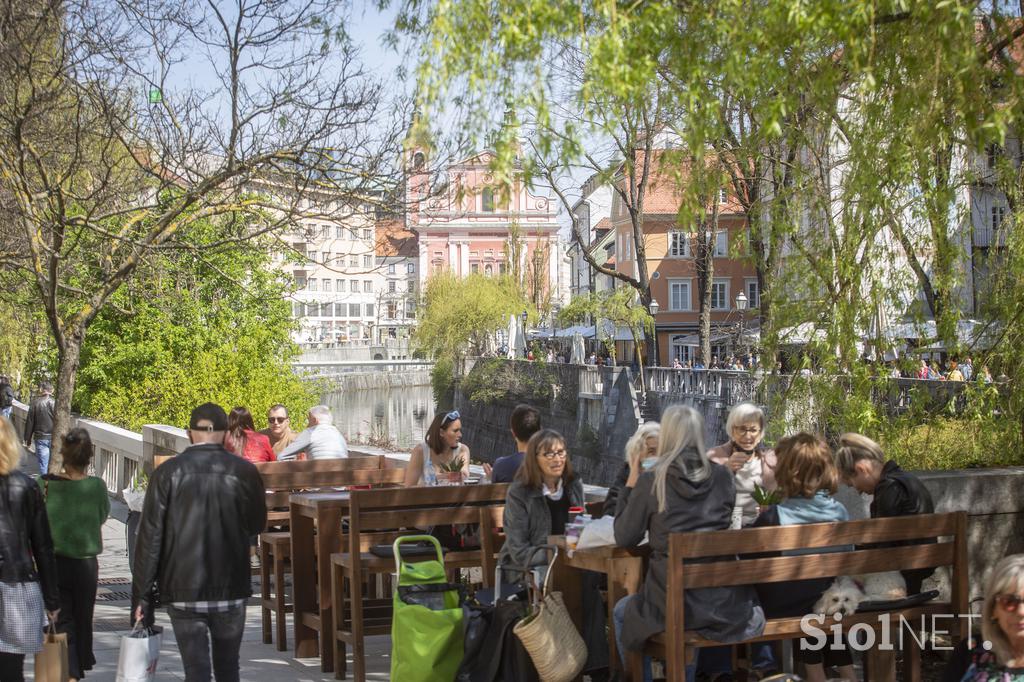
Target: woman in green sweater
{"points": [[77, 505]]}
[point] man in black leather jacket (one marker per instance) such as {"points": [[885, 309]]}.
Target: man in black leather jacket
{"points": [[202, 508]]}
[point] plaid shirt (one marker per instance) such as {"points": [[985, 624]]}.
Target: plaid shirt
{"points": [[209, 606]]}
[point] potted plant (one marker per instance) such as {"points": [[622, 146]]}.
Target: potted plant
{"points": [[451, 473]]}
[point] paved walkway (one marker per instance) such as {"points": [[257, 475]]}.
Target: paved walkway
{"points": [[259, 661]]}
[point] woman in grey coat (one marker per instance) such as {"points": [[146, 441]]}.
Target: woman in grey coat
{"points": [[538, 501], [684, 492]]}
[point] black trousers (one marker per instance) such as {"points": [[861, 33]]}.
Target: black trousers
{"points": [[12, 667], [77, 580]]}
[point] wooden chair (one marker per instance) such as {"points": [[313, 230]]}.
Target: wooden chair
{"points": [[722, 559], [377, 512], [281, 479]]}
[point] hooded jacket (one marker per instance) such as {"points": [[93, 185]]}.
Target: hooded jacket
{"points": [[901, 494], [724, 614]]}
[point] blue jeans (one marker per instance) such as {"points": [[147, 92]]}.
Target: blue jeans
{"points": [[194, 631], [716, 660], [43, 454], [619, 616]]}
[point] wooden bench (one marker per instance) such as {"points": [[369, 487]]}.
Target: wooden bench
{"points": [[699, 560], [281, 479], [398, 512]]}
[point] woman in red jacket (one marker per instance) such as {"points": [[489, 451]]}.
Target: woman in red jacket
{"points": [[243, 440]]}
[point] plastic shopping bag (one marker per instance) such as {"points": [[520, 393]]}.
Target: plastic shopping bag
{"points": [[140, 652]]}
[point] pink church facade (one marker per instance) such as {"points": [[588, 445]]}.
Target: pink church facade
{"points": [[467, 224]]}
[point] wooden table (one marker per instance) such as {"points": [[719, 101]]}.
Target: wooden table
{"points": [[316, 532], [625, 571]]}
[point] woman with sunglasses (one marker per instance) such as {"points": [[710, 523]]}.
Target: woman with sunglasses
{"points": [[440, 447], [998, 653], [538, 501]]}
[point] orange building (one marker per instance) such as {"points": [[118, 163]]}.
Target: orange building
{"points": [[672, 269]]}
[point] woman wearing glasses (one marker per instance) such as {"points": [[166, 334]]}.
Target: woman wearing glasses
{"points": [[751, 463], [997, 652], [538, 502], [441, 446]]}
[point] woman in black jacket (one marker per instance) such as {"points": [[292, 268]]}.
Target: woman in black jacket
{"points": [[684, 492], [28, 570]]}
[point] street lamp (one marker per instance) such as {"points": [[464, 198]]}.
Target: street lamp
{"points": [[654, 313], [741, 305]]}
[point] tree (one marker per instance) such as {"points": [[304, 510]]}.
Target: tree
{"points": [[619, 307], [460, 316], [96, 181]]}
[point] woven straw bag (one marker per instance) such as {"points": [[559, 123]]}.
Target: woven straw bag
{"points": [[550, 637]]}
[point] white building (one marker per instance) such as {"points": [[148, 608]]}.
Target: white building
{"points": [[397, 253]]}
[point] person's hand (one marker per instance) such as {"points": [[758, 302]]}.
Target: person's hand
{"points": [[52, 615], [487, 470], [139, 614], [737, 459]]}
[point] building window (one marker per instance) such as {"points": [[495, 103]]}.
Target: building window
{"points": [[502, 268], [410, 309], [391, 268], [680, 350], [327, 285], [392, 286], [720, 294], [410, 268], [723, 196], [721, 244], [391, 310], [339, 285], [297, 309], [367, 233], [312, 256], [487, 200], [325, 309], [300, 282], [992, 154], [998, 215], [753, 294], [679, 294], [367, 261], [474, 268], [311, 284], [367, 286], [312, 310], [339, 232], [354, 309], [678, 244], [353, 261], [355, 286], [341, 309], [412, 286], [369, 310], [489, 270]]}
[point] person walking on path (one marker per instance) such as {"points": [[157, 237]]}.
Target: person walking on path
{"points": [[39, 425], [201, 509], [321, 440], [279, 429], [77, 506], [6, 397], [28, 571]]}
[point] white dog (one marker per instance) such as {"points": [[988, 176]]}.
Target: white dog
{"points": [[847, 592]]}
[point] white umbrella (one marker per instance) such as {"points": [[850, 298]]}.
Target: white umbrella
{"points": [[511, 343], [517, 348], [578, 352]]}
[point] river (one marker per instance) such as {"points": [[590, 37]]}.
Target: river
{"points": [[399, 414]]}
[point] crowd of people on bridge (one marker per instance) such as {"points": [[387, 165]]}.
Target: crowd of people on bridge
{"points": [[670, 482]]}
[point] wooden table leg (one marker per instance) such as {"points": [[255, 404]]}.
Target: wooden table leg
{"points": [[881, 665], [328, 540], [568, 581], [624, 578], [303, 582]]}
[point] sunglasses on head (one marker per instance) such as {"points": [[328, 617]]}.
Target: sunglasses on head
{"points": [[277, 420], [1009, 602], [449, 418]]}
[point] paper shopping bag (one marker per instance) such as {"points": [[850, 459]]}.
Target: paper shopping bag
{"points": [[140, 652], [52, 661]]}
